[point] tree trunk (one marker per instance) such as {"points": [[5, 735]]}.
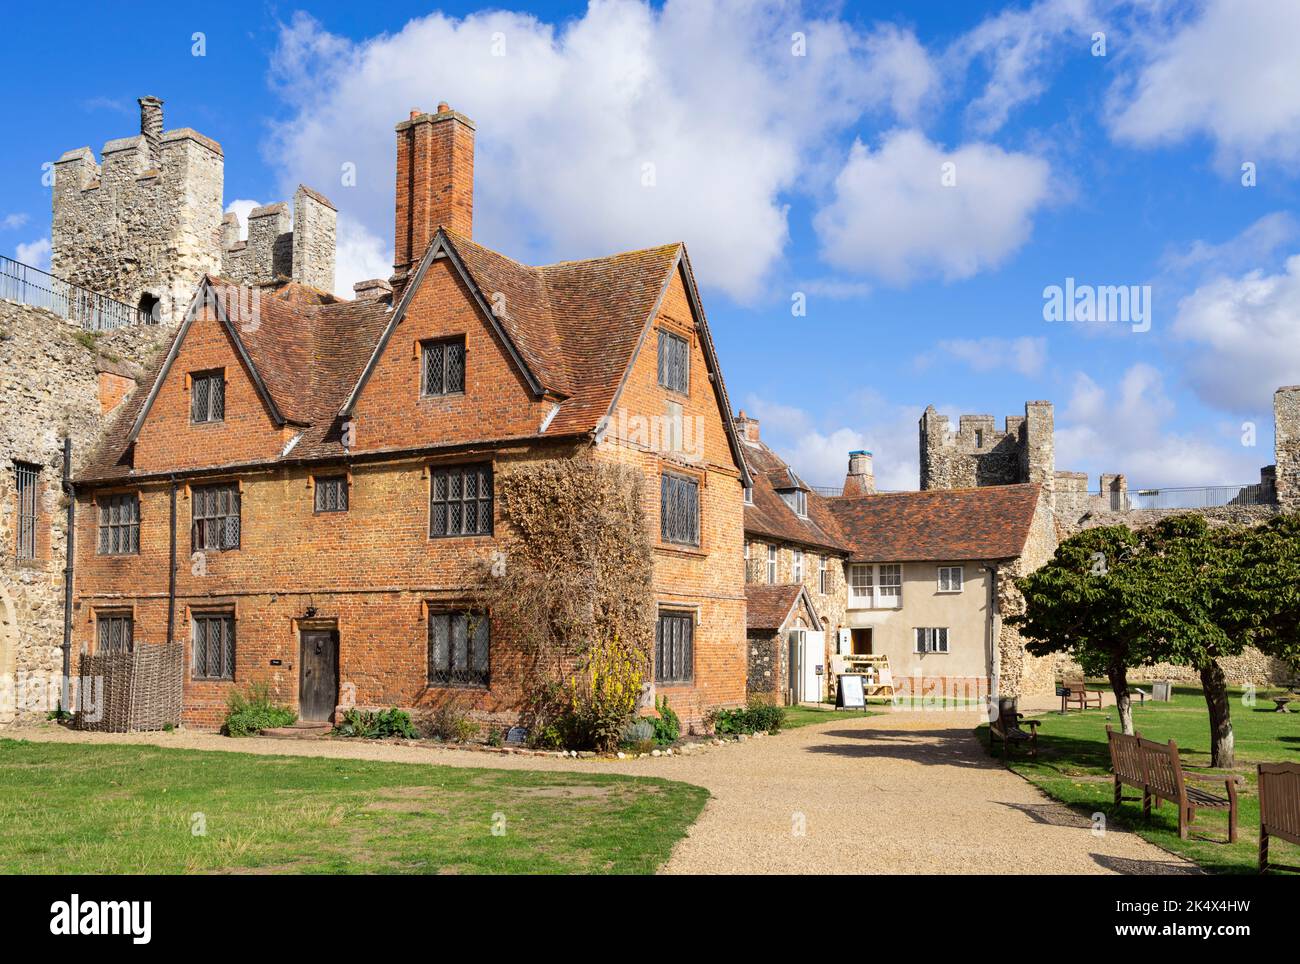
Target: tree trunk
{"points": [[1118, 675], [1215, 685]]}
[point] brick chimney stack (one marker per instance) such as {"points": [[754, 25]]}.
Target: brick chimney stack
{"points": [[861, 478], [746, 426], [151, 127], [435, 183]]}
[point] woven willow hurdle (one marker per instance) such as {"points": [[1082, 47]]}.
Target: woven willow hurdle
{"points": [[140, 690]]}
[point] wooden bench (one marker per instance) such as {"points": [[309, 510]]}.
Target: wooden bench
{"points": [[1154, 769], [1076, 691], [1279, 809], [1008, 728]]}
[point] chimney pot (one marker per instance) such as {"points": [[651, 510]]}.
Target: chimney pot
{"points": [[861, 479], [151, 127], [443, 107], [415, 112]]}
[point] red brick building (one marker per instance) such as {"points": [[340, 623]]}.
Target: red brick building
{"points": [[301, 489]]}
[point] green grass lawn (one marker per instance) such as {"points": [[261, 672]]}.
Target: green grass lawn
{"points": [[797, 716], [79, 808], [1073, 766]]}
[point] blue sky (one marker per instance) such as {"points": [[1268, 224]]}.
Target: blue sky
{"points": [[914, 175]]}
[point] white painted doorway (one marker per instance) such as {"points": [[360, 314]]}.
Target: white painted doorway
{"points": [[807, 656]]}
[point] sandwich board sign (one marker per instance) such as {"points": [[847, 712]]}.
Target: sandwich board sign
{"points": [[850, 692]]}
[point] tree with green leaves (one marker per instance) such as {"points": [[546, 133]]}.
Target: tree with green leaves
{"points": [[1087, 601], [1267, 588]]}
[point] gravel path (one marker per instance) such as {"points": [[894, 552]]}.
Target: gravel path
{"points": [[903, 792]]}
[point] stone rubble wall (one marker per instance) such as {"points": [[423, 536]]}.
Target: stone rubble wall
{"points": [[49, 387]]}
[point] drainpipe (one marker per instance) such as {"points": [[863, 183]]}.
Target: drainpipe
{"points": [[171, 571], [995, 664], [70, 493]]}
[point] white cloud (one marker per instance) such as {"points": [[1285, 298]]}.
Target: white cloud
{"points": [[1258, 242], [1125, 428], [242, 207], [1246, 332], [1229, 73], [12, 221], [893, 217], [706, 92], [360, 256], [35, 253], [1024, 355]]}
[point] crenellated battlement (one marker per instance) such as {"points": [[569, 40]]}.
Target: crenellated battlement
{"points": [[283, 244]]}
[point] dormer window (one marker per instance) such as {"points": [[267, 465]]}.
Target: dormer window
{"points": [[208, 396], [443, 370], [749, 495], [796, 499]]}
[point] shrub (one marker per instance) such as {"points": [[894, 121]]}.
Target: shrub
{"points": [[757, 717], [448, 722], [494, 737], [668, 726], [380, 725], [253, 711], [639, 731], [599, 706]]}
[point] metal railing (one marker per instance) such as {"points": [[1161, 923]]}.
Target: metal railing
{"points": [[95, 312], [1200, 497], [829, 491]]}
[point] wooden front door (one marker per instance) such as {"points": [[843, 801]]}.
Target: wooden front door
{"points": [[318, 674]]}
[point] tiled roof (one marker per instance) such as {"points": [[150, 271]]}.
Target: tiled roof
{"points": [[991, 522], [771, 516], [575, 326], [768, 606]]}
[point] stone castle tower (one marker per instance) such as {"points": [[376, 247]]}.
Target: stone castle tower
{"points": [[145, 224], [978, 454]]}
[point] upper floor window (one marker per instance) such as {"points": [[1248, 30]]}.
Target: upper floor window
{"points": [[458, 649], [443, 371], [208, 396], [332, 493], [674, 647], [28, 480], [798, 565], [932, 639], [823, 576], [771, 564], [114, 633], [119, 524], [214, 511], [950, 578], [460, 500], [213, 646], [679, 510], [674, 362], [797, 499], [876, 586]]}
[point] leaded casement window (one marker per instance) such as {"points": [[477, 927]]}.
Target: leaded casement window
{"points": [[797, 499], [771, 564], [331, 493], [679, 510], [674, 647], [798, 566], [27, 478], [458, 648], [114, 633], [823, 576], [442, 367], [460, 500], [119, 524], [932, 639], [208, 396], [674, 362], [950, 578], [214, 510], [213, 644]]}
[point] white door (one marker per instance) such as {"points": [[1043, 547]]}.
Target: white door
{"points": [[807, 669]]}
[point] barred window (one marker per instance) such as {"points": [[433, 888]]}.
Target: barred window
{"points": [[114, 633], [674, 647], [28, 479], [214, 646], [332, 493], [460, 501], [674, 362], [119, 524], [679, 510], [215, 514], [932, 639], [458, 649], [443, 367], [208, 396]]}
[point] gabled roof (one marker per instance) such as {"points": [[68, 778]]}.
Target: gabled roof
{"points": [[990, 522], [770, 606], [572, 328], [771, 517]]}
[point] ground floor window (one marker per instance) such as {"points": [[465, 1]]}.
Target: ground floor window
{"points": [[214, 646], [674, 647], [114, 633], [932, 639], [458, 648]]}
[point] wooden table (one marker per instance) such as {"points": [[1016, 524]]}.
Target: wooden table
{"points": [[1282, 702]]}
